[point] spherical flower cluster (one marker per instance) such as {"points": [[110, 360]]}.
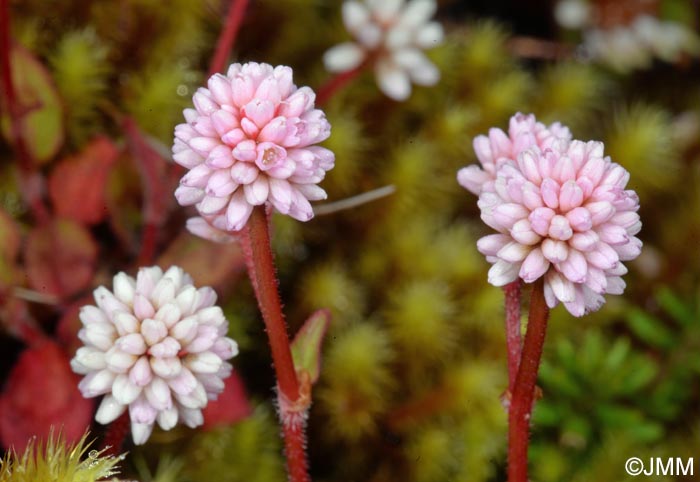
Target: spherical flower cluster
{"points": [[523, 132], [250, 140], [157, 346], [563, 213], [391, 34]]}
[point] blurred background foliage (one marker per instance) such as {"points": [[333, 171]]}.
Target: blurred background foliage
{"points": [[414, 362]]}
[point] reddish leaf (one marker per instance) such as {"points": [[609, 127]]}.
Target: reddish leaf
{"points": [[60, 258], [42, 391], [77, 183], [42, 122], [231, 406], [208, 263]]}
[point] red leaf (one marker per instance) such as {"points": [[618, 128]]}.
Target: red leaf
{"points": [[42, 391], [231, 406], [77, 183], [60, 258]]}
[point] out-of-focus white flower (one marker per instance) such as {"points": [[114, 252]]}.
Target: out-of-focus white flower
{"points": [[391, 34], [155, 345], [573, 14]]}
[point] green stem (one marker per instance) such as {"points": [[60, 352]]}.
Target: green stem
{"points": [[524, 390]]}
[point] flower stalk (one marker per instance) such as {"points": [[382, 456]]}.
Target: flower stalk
{"points": [[521, 405], [228, 35], [292, 402], [513, 338], [338, 82]]}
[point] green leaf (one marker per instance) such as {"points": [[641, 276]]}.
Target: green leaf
{"points": [[306, 347], [650, 329], [676, 307], [42, 120]]}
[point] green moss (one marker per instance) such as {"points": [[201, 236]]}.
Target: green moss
{"points": [[81, 69], [54, 460], [247, 451]]}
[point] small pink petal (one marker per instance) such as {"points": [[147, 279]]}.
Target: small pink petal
{"points": [[540, 220], [503, 272], [550, 193], [562, 288], [585, 241], [559, 228], [570, 196], [534, 266], [580, 219], [245, 151], [491, 244], [575, 267], [522, 232], [238, 211], [555, 251], [256, 192]]}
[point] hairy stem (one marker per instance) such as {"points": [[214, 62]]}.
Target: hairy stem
{"points": [[227, 37], [295, 452], [524, 390], [513, 338], [261, 270]]}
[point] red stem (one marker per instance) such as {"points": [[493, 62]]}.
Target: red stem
{"points": [[228, 36], [524, 391], [334, 84], [31, 182], [116, 433], [295, 451], [261, 270], [264, 279], [513, 338]]}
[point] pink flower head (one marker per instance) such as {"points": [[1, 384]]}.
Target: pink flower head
{"points": [[564, 215], [250, 140], [155, 345], [523, 132]]}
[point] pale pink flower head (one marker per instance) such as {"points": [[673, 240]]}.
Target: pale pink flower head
{"points": [[251, 140], [155, 345], [524, 132], [392, 34], [564, 215]]}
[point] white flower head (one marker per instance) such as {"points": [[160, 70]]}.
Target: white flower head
{"points": [[155, 345], [391, 34]]}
